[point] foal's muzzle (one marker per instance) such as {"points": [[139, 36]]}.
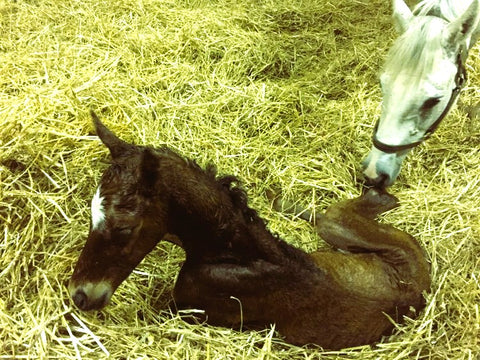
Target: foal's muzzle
{"points": [[90, 296], [80, 299]]}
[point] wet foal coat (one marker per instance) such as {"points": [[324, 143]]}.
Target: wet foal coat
{"points": [[235, 270]]}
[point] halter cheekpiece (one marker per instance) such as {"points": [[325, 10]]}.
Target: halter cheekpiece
{"points": [[460, 79]]}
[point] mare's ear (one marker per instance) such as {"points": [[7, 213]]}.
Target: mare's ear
{"points": [[117, 146], [402, 15], [460, 31], [149, 170]]}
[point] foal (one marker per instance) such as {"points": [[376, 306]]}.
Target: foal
{"points": [[235, 270]]}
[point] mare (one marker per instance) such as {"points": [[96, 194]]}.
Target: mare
{"points": [[422, 76], [238, 273]]}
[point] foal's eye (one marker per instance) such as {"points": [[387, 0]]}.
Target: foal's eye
{"points": [[126, 231], [429, 104]]}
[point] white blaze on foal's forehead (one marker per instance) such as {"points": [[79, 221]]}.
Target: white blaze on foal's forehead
{"points": [[98, 211]]}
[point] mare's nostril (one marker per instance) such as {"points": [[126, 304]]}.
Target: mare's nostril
{"points": [[80, 299], [380, 182]]}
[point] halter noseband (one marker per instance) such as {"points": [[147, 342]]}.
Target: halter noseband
{"points": [[460, 78]]}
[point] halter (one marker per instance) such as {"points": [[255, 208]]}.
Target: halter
{"points": [[460, 79]]}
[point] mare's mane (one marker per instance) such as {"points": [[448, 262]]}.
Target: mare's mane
{"points": [[414, 52], [448, 10]]}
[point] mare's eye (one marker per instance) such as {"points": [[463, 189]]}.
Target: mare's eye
{"points": [[429, 104]]}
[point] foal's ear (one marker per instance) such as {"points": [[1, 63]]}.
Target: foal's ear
{"points": [[461, 30], [402, 15], [149, 170], [117, 146]]}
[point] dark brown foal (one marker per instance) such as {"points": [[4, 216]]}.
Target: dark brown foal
{"points": [[235, 270]]}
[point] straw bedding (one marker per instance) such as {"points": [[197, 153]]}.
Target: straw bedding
{"points": [[282, 94]]}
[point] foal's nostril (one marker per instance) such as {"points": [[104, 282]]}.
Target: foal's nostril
{"points": [[80, 299]]}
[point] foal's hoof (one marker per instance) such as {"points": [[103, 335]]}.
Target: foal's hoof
{"points": [[378, 201]]}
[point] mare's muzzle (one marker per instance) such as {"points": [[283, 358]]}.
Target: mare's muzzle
{"points": [[381, 169]]}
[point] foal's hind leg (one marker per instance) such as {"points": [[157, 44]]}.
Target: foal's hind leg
{"points": [[350, 225], [368, 205], [372, 203]]}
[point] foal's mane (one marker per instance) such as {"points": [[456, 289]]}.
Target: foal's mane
{"points": [[232, 186], [272, 246]]}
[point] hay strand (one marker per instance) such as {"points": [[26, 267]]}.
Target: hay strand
{"points": [[282, 94]]}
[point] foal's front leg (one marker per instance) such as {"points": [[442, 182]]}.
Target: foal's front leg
{"points": [[236, 295], [346, 222]]}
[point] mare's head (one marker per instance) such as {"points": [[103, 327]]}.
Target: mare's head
{"points": [[421, 78], [126, 224]]}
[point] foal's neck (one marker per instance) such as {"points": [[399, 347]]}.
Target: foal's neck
{"points": [[211, 216]]}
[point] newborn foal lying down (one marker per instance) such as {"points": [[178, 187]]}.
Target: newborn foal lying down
{"points": [[330, 298]]}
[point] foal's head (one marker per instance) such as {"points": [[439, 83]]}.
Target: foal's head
{"points": [[421, 78], [127, 221], [147, 195]]}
